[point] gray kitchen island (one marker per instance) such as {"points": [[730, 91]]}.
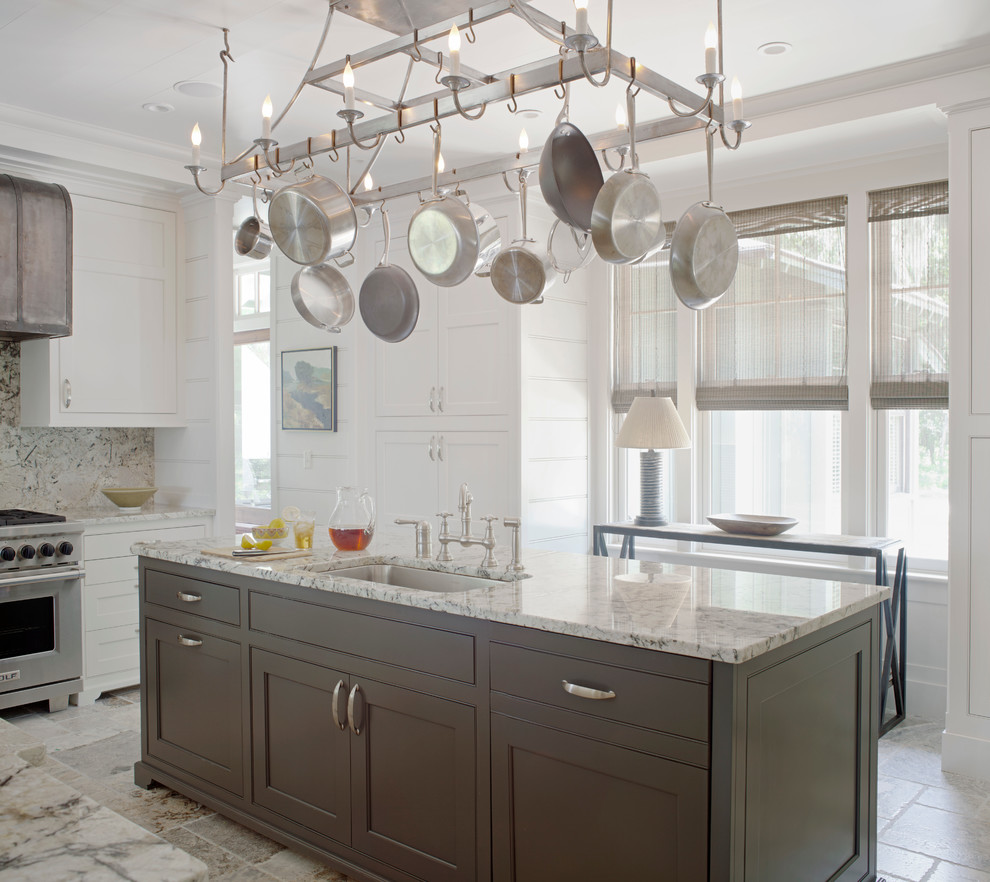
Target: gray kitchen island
{"points": [[589, 719]]}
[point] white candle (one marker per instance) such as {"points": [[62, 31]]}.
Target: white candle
{"points": [[711, 49], [441, 165], [348, 86], [369, 184], [581, 20], [266, 118], [523, 141], [197, 138], [454, 44], [737, 105], [620, 116]]}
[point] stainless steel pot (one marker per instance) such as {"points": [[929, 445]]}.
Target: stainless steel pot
{"points": [[626, 221], [322, 296], [313, 221], [570, 176], [389, 301], [520, 273], [253, 238], [704, 251], [569, 248]]}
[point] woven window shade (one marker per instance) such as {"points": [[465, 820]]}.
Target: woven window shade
{"points": [[777, 339], [909, 278], [644, 360]]}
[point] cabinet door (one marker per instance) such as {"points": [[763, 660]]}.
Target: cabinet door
{"points": [[566, 807], [194, 703], [406, 372], [481, 459], [301, 756], [121, 357], [407, 468], [413, 785]]}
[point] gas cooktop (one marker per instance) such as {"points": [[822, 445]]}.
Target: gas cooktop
{"points": [[11, 517]]}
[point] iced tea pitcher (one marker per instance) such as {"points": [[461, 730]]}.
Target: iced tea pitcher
{"points": [[352, 522]]}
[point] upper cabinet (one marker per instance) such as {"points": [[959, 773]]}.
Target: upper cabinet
{"points": [[119, 367], [452, 362]]}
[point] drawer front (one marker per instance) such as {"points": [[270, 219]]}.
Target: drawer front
{"points": [[664, 704], [419, 648], [102, 545], [110, 605], [112, 569], [113, 650], [207, 599]]}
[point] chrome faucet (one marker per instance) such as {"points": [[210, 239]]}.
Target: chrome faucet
{"points": [[424, 544], [464, 507], [466, 539]]}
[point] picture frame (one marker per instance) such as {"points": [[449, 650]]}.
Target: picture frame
{"points": [[309, 389]]}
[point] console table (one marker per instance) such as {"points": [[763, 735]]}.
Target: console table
{"points": [[893, 671]]}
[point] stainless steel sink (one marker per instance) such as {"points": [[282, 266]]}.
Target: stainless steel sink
{"points": [[413, 577]]}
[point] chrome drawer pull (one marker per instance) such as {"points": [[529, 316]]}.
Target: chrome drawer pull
{"points": [[190, 641], [188, 598], [587, 691], [352, 717], [335, 708]]}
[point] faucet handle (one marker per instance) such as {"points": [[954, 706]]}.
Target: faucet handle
{"points": [[490, 518], [443, 515], [512, 522]]}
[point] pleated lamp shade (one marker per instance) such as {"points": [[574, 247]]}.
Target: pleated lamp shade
{"points": [[652, 424]]}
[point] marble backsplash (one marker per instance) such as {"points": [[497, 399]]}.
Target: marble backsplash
{"points": [[49, 469]]}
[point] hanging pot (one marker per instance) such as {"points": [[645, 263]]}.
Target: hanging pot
{"points": [[448, 238], [389, 301], [313, 221], [322, 296], [570, 176], [626, 222], [253, 238], [520, 273], [569, 248], [704, 251]]}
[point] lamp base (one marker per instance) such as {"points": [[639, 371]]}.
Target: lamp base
{"points": [[650, 490], [641, 521]]}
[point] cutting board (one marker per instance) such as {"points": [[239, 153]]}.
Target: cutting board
{"points": [[228, 553]]}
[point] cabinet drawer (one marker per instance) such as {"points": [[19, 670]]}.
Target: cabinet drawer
{"points": [[101, 545], [417, 647], [664, 704], [112, 650], [194, 596], [110, 605], [112, 569]]}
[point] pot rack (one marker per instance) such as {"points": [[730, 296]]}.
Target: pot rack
{"points": [[468, 93]]}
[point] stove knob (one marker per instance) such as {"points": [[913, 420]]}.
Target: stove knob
{"points": [[26, 552], [65, 548], [46, 549], [7, 553]]}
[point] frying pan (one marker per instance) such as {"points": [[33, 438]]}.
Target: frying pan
{"points": [[570, 176], [322, 296], [520, 273], [389, 301], [569, 249], [626, 221], [253, 238], [704, 251]]}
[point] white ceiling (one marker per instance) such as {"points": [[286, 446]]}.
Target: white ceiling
{"points": [[98, 61]]}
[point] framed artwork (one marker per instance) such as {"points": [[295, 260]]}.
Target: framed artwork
{"points": [[309, 389]]}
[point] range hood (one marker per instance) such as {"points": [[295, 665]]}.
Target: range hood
{"points": [[35, 259]]}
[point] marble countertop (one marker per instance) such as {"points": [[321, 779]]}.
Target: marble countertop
{"points": [[725, 615], [91, 516]]}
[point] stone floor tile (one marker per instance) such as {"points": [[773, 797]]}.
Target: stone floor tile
{"points": [[292, 867], [244, 874], [252, 847], [108, 756], [952, 837], [946, 872], [157, 810], [218, 860], [964, 800], [894, 795], [902, 863]]}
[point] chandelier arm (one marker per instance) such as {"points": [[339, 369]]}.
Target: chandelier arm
{"points": [[195, 171], [465, 114], [684, 114], [309, 70], [608, 56], [736, 143], [357, 143], [520, 9], [608, 165], [225, 56]]}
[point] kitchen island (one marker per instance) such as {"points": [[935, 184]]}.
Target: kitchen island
{"points": [[596, 718]]}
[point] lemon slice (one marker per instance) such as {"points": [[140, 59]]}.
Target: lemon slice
{"points": [[263, 545], [246, 541], [290, 513], [276, 524]]}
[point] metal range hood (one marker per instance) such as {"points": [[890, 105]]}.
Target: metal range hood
{"points": [[35, 259]]}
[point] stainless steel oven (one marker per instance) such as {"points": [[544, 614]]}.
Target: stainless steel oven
{"points": [[40, 614]]}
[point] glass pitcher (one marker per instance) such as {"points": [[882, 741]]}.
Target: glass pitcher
{"points": [[352, 522]]}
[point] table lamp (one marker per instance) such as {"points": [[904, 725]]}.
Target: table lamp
{"points": [[651, 425]]}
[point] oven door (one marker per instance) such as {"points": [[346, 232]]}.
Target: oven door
{"points": [[40, 629]]}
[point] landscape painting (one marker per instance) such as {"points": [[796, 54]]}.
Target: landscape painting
{"points": [[309, 389]]}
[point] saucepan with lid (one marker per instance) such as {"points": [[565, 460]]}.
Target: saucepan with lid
{"points": [[520, 273]]}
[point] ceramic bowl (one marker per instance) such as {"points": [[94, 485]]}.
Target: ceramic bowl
{"points": [[129, 498], [754, 525], [276, 534]]}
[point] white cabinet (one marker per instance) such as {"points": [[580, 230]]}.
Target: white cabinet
{"points": [[119, 367], [454, 363], [110, 600], [420, 473]]}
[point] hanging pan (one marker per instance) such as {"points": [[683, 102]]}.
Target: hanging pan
{"points": [[569, 249], [520, 273], [704, 251], [626, 222], [253, 238], [389, 301], [322, 296], [448, 238], [570, 176]]}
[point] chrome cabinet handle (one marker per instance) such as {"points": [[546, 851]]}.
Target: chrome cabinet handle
{"points": [[67, 392], [433, 453], [433, 399], [338, 691], [587, 691], [440, 399], [185, 597], [190, 641], [440, 449], [352, 717]]}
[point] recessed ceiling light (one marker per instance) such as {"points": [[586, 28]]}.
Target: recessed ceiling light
{"points": [[529, 112], [198, 89], [155, 107], [778, 47]]}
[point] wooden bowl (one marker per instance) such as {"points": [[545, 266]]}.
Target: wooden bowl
{"points": [[129, 498]]}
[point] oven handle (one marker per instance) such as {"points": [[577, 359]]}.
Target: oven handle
{"points": [[42, 576]]}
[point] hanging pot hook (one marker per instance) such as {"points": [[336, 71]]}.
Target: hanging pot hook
{"points": [[469, 34], [419, 54], [562, 95], [332, 152], [436, 76], [400, 136], [512, 107]]}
